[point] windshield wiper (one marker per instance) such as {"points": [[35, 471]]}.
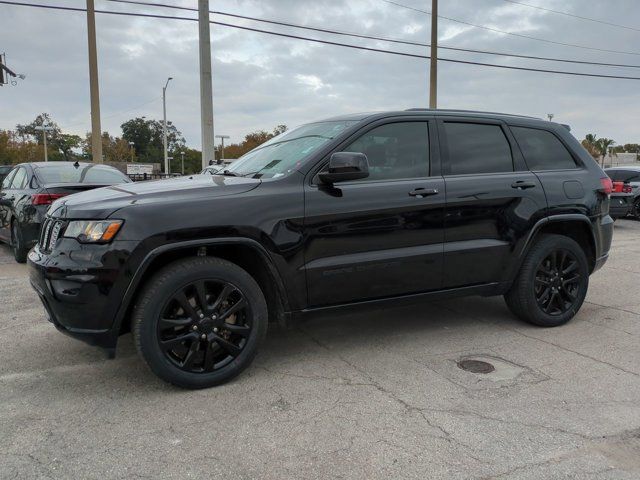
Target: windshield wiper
{"points": [[229, 173]]}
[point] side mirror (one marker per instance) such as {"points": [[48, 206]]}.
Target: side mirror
{"points": [[344, 166]]}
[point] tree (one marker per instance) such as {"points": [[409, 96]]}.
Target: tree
{"points": [[60, 146], [147, 135], [603, 144], [590, 143], [114, 149]]}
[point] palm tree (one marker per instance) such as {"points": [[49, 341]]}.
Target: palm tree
{"points": [[603, 145], [590, 143]]}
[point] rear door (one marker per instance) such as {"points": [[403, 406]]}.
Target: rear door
{"points": [[493, 201], [5, 202], [379, 236]]}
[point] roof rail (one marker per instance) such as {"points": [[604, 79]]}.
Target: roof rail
{"points": [[418, 109]]}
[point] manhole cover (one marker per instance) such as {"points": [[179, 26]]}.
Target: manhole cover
{"points": [[476, 366]]}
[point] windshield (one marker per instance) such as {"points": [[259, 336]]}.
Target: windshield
{"points": [[89, 174], [285, 152]]}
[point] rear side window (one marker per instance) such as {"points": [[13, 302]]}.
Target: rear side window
{"points": [[624, 175], [395, 150], [20, 179], [542, 150], [477, 148]]}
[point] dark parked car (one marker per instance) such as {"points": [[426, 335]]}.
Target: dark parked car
{"points": [[29, 189], [362, 209], [629, 175], [622, 199], [4, 170]]}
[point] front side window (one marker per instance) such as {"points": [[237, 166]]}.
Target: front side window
{"points": [[20, 179], [284, 153], [477, 148], [395, 150], [542, 150]]}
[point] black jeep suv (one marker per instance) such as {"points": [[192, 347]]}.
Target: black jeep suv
{"points": [[360, 209]]}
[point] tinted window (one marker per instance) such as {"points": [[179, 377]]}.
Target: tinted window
{"points": [[624, 175], [477, 148], [542, 150], [19, 179], [90, 174], [395, 150]]}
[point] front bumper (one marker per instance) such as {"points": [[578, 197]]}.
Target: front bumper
{"points": [[81, 288]]}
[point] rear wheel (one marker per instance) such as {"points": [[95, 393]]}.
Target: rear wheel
{"points": [[635, 211], [199, 322], [552, 283], [17, 244]]}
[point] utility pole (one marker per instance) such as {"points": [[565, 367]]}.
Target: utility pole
{"points": [[433, 62], [96, 130], [164, 125], [222, 137], [206, 88], [45, 128], [182, 155]]}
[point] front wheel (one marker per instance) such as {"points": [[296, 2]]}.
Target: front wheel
{"points": [[635, 210], [552, 283], [199, 322]]}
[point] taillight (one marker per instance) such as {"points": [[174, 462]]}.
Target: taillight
{"points": [[617, 187], [606, 185], [45, 198], [626, 188]]}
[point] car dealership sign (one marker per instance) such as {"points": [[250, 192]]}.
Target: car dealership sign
{"points": [[139, 168]]}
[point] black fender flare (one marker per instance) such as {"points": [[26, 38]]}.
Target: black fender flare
{"points": [[565, 217], [132, 289]]}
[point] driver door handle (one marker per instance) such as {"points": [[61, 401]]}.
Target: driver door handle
{"points": [[423, 192], [521, 185]]}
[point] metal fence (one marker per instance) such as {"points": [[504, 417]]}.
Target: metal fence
{"points": [[141, 177]]}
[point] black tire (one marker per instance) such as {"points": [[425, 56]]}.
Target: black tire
{"points": [[533, 286], [170, 284], [17, 244], [635, 211]]}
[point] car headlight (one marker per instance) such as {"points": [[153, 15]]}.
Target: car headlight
{"points": [[92, 231]]}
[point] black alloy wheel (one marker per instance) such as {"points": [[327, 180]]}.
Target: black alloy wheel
{"points": [[552, 282], [199, 321], [204, 325], [557, 282], [17, 244]]}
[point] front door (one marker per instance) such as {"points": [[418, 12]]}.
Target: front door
{"points": [[493, 201], [379, 236]]}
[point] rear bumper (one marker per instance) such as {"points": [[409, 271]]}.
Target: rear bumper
{"points": [[620, 205]]}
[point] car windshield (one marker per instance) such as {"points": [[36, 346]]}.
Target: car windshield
{"points": [[89, 174], [285, 152]]}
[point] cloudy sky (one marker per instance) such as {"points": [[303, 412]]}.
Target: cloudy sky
{"points": [[261, 80]]}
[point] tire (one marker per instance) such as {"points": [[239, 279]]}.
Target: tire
{"points": [[17, 243], [635, 211], [532, 297], [223, 355]]}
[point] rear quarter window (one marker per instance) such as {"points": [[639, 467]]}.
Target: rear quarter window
{"points": [[542, 150]]}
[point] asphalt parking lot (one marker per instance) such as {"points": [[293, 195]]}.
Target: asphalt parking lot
{"points": [[373, 395]]}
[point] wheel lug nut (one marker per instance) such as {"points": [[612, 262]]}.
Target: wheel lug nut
{"points": [[215, 330], [203, 336], [201, 316], [195, 327], [213, 317]]}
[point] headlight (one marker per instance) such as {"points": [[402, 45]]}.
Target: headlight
{"points": [[93, 231]]}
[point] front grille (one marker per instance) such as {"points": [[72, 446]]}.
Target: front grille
{"points": [[49, 234]]}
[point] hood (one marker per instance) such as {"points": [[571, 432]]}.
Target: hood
{"points": [[102, 202]]}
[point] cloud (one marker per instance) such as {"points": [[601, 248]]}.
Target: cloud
{"points": [[261, 81]]}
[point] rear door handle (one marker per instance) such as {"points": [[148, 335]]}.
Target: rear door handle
{"points": [[521, 185], [423, 192]]}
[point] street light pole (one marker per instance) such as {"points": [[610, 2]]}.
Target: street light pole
{"points": [[182, 155], [164, 125], [96, 129], [222, 137], [44, 128], [131, 145], [433, 61], [550, 116]]}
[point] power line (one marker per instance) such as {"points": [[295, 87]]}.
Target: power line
{"points": [[327, 42], [519, 35], [378, 38], [580, 17]]}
